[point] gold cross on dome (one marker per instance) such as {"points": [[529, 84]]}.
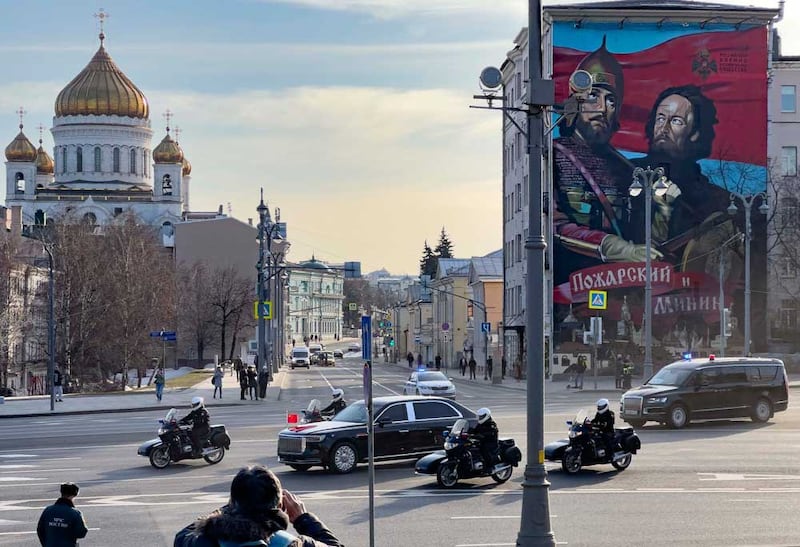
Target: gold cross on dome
{"points": [[21, 113], [168, 116], [101, 16], [41, 129], [177, 133]]}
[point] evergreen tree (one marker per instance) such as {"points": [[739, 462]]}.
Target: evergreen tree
{"points": [[445, 247], [427, 264]]}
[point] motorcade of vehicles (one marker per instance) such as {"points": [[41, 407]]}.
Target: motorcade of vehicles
{"points": [[585, 446], [353, 347], [404, 427], [300, 357], [174, 444], [461, 458], [429, 382], [310, 414], [338, 354], [709, 389], [325, 359], [314, 348]]}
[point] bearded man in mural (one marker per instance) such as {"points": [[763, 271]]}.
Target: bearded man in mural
{"points": [[591, 177], [689, 221]]}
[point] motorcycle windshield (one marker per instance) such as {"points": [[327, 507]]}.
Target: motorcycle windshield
{"points": [[170, 415], [461, 426], [580, 417], [313, 406]]}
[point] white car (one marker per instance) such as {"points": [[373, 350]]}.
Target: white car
{"points": [[301, 357], [429, 382]]}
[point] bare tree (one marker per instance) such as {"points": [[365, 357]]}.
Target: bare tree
{"points": [[229, 298], [195, 322]]}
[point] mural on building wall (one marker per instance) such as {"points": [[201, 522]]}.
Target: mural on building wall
{"points": [[692, 101]]}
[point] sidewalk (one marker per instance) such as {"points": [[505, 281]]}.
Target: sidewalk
{"points": [[22, 407]]}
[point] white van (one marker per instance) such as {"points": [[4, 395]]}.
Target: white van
{"points": [[301, 357]]}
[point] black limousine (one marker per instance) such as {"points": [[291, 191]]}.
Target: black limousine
{"points": [[405, 427]]}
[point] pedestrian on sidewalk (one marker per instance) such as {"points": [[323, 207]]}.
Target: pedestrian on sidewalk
{"points": [[438, 362], [472, 365], [518, 368], [238, 366], [581, 371], [159, 381], [61, 525], [462, 365], [410, 359], [503, 365], [243, 383], [488, 368], [263, 381], [216, 380], [252, 381], [58, 387]]}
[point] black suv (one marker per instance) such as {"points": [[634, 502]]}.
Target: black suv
{"points": [[405, 427], [709, 389]]}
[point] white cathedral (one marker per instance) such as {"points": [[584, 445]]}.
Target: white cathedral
{"points": [[103, 164]]}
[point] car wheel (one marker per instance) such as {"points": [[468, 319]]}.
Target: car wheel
{"points": [[300, 466], [622, 464], [292, 367], [677, 417], [636, 423], [762, 411], [447, 475], [343, 458], [417, 391], [571, 462]]}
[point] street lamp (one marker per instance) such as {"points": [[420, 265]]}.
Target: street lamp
{"points": [[263, 215], [655, 183], [36, 232], [747, 201]]}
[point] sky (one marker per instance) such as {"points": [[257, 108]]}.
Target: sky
{"points": [[353, 115]]}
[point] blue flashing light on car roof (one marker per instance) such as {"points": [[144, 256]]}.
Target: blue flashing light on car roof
{"points": [[687, 355], [421, 368]]}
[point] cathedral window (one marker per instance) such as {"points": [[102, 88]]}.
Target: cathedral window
{"points": [[133, 162], [19, 178], [115, 157], [90, 219], [64, 159], [145, 170], [98, 158], [166, 185], [79, 159]]}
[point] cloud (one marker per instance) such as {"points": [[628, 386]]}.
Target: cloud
{"points": [[388, 9]]}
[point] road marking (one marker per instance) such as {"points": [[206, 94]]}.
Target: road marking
{"points": [[745, 477], [4, 522], [20, 455], [46, 470], [15, 466], [29, 532], [489, 517], [17, 479]]}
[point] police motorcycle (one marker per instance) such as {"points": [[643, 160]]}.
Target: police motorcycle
{"points": [[461, 458], [312, 413], [174, 444], [585, 446]]}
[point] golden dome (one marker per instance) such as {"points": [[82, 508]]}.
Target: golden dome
{"points": [[187, 167], [102, 89], [44, 163], [20, 149], [168, 151]]}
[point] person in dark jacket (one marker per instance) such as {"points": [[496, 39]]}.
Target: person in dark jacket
{"points": [[603, 421], [243, 383], [337, 404], [252, 381], [199, 420], [58, 385], [263, 382], [472, 365], [487, 433], [410, 359], [258, 513], [61, 525]]}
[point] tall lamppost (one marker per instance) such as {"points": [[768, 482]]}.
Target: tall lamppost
{"points": [[263, 215], [747, 201], [654, 182]]}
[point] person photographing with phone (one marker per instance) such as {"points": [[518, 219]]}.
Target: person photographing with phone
{"points": [[258, 514]]}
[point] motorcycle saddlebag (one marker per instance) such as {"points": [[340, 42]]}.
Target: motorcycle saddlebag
{"points": [[632, 443], [429, 465], [512, 455], [219, 437]]}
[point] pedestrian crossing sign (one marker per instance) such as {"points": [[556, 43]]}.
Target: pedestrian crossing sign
{"points": [[262, 310], [598, 300]]}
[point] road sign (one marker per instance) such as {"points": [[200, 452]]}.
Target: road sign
{"points": [[366, 337], [169, 337], [262, 310], [155, 334], [417, 338], [486, 327], [445, 326], [352, 306], [388, 316], [598, 300], [387, 324]]}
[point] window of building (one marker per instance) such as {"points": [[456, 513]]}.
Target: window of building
{"points": [[117, 211], [519, 247], [788, 212], [19, 186], [115, 160], [98, 159], [90, 219], [525, 190], [788, 98], [145, 170], [788, 314], [789, 161], [64, 160], [787, 266], [79, 159], [519, 84], [133, 162], [518, 204]]}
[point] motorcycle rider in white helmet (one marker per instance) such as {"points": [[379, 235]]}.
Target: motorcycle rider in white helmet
{"points": [[486, 431], [603, 421], [198, 418], [337, 403]]}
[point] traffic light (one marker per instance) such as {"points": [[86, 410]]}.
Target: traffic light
{"points": [[391, 342]]}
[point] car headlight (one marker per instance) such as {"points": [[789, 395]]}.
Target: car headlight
{"points": [[314, 438], [657, 399]]}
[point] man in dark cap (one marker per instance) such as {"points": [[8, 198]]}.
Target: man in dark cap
{"points": [[258, 514], [61, 525], [591, 177]]}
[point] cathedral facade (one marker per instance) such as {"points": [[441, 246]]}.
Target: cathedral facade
{"points": [[103, 166]]}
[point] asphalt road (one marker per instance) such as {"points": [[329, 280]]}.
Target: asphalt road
{"points": [[729, 483]]}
